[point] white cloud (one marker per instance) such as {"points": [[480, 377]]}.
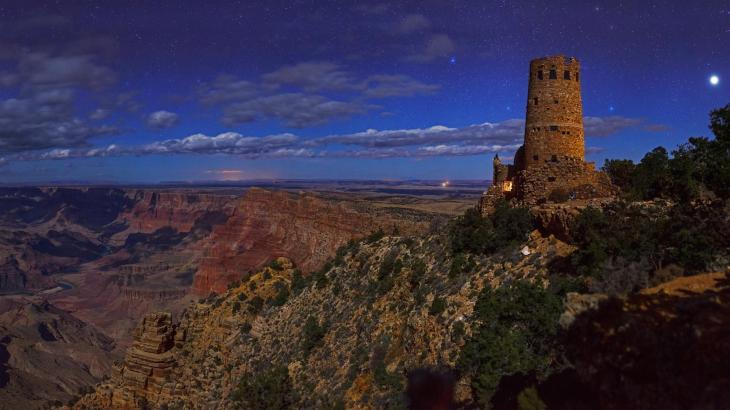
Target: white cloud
{"points": [[162, 119]]}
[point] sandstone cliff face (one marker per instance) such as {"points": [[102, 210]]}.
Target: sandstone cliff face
{"points": [[304, 228], [180, 210]]}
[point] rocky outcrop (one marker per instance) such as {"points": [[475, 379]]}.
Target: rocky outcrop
{"points": [[666, 347], [305, 228], [140, 377]]}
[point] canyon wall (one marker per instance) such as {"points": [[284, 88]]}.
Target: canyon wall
{"points": [[305, 228]]}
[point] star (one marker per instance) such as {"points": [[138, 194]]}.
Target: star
{"points": [[714, 80], [611, 108], [452, 60]]}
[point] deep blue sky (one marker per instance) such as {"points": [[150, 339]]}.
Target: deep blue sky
{"points": [[113, 91]]}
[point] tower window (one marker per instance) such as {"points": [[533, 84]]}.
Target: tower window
{"points": [[535, 100], [551, 179], [553, 75], [566, 75], [553, 128], [556, 102], [576, 76], [539, 75], [554, 158], [534, 157]]}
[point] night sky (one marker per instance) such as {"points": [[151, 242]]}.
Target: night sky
{"points": [[126, 92]]}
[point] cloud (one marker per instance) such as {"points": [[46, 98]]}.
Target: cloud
{"points": [[227, 88], [296, 110], [413, 23], [311, 77], [438, 46], [438, 140], [44, 70], [605, 126], [99, 114], [296, 94], [594, 150], [44, 120], [382, 86], [508, 132], [162, 119]]}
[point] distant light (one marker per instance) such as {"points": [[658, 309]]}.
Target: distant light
{"points": [[452, 60], [714, 80], [444, 184]]}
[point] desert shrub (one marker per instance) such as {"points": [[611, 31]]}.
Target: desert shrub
{"points": [[298, 282], [245, 328], [281, 297], [312, 334], [255, 304], [275, 265], [241, 296], [438, 306], [418, 270], [375, 236], [458, 331], [390, 265], [461, 264], [516, 332], [270, 389], [475, 233], [236, 306]]}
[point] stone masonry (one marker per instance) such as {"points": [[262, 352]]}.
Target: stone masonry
{"points": [[551, 163]]}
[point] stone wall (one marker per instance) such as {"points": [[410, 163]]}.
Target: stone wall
{"points": [[554, 124], [577, 179]]}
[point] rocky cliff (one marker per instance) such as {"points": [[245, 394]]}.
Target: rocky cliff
{"points": [[305, 228], [180, 210], [347, 337]]}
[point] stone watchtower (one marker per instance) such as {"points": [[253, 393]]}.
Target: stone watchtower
{"points": [[550, 165], [554, 123]]}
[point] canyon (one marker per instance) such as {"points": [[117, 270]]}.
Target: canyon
{"points": [[105, 257]]}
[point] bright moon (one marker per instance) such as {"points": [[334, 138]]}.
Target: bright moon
{"points": [[714, 80]]}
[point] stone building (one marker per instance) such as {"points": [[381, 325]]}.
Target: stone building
{"points": [[550, 165]]}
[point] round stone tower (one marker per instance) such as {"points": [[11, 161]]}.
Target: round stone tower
{"points": [[554, 125]]}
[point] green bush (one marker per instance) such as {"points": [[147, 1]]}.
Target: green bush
{"points": [[474, 233], [255, 304], [275, 265], [270, 389], [375, 236], [461, 264], [312, 334], [516, 331], [438, 306], [281, 297]]}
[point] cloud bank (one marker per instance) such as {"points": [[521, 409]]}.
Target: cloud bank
{"points": [[435, 141]]}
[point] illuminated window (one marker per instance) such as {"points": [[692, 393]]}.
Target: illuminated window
{"points": [[506, 186]]}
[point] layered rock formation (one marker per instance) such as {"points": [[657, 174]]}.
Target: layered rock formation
{"points": [[305, 228], [153, 210]]}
